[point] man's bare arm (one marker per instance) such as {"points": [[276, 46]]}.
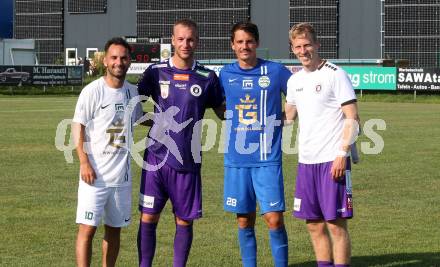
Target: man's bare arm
{"points": [[86, 170], [290, 113]]}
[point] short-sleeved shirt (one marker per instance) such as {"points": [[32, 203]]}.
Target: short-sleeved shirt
{"points": [[253, 99], [108, 125], [185, 94], [318, 97]]}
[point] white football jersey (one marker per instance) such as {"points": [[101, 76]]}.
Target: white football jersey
{"points": [[318, 97], [104, 112]]}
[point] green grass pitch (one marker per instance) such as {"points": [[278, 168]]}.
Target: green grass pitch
{"points": [[396, 195]]}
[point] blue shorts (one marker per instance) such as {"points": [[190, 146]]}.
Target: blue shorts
{"points": [[244, 186]]}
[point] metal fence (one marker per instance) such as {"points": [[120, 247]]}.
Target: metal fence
{"points": [[411, 31]]}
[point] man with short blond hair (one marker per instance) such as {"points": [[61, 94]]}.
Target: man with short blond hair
{"points": [[322, 96]]}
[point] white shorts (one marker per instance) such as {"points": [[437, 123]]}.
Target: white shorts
{"points": [[114, 203]]}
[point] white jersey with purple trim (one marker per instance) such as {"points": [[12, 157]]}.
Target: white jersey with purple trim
{"points": [[108, 130], [318, 97]]}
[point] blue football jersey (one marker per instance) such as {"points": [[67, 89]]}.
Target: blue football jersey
{"points": [[254, 113]]}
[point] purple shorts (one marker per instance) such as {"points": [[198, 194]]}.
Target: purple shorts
{"points": [[182, 188], [318, 196]]}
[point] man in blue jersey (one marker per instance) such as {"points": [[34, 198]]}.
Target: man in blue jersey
{"points": [[253, 172], [181, 90]]}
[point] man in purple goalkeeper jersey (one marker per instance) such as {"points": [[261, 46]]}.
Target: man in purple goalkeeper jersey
{"points": [[181, 90]]}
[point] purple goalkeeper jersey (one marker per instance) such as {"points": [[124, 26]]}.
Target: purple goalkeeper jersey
{"points": [[181, 97]]}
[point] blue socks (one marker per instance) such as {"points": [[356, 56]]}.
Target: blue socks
{"points": [[279, 246], [146, 242], [248, 246], [182, 244]]}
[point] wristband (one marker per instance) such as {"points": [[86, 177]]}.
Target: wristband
{"points": [[342, 153]]}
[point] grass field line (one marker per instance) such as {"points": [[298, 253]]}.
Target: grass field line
{"points": [[35, 110], [60, 99]]}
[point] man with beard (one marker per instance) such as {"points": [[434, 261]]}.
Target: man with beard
{"points": [[102, 128]]}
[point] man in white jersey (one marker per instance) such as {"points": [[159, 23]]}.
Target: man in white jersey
{"points": [[102, 127], [322, 96]]}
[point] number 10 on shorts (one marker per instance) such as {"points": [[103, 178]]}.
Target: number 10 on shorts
{"points": [[231, 201], [88, 215]]}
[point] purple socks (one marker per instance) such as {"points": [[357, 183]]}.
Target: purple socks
{"points": [[146, 243], [182, 244], [325, 264]]}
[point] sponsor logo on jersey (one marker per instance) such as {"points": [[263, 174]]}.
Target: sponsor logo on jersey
{"points": [[119, 107], [164, 88], [146, 201], [299, 89], [232, 80], [264, 81], [318, 88], [196, 90], [103, 107], [117, 137], [181, 77], [297, 204], [180, 85], [203, 73], [247, 110], [248, 84], [159, 66]]}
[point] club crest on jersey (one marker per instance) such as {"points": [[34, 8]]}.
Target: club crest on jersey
{"points": [[196, 90], [164, 88], [181, 77], [264, 81], [248, 84], [318, 88]]}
